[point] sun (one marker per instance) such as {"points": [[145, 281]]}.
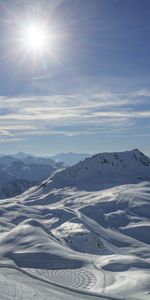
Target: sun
{"points": [[36, 42], [36, 38]]}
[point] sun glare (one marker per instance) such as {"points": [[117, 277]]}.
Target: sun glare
{"points": [[36, 38], [36, 41]]}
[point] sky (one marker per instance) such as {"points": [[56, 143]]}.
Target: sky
{"points": [[89, 91]]}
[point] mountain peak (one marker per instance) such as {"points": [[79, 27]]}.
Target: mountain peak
{"points": [[123, 167], [136, 151]]}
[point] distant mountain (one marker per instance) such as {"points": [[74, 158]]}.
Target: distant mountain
{"points": [[106, 168], [26, 158], [19, 174], [20, 155], [31, 172], [6, 160], [37, 160], [30, 159], [70, 158], [11, 185], [14, 187]]}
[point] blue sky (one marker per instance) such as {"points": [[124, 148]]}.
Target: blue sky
{"points": [[90, 92]]}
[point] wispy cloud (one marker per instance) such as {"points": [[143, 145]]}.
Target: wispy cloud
{"points": [[5, 133], [70, 115], [10, 140]]}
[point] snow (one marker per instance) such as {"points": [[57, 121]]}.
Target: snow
{"points": [[107, 169], [65, 241]]}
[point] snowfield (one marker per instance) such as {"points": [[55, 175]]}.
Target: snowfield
{"points": [[61, 240]]}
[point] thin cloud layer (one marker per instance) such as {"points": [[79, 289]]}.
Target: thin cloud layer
{"points": [[78, 114]]}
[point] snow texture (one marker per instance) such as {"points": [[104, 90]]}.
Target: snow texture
{"points": [[65, 240]]}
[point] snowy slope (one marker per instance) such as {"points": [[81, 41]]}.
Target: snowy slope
{"points": [[70, 238], [74, 243], [107, 168]]}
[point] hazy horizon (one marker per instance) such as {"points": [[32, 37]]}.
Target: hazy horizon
{"points": [[69, 152]]}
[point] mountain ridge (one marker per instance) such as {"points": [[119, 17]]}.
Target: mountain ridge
{"points": [[107, 167]]}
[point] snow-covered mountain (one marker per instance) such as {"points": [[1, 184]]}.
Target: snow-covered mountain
{"points": [[17, 175], [26, 158], [106, 168], [67, 242], [70, 158]]}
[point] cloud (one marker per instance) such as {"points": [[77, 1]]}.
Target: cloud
{"points": [[5, 133], [142, 93], [76, 114], [12, 140]]}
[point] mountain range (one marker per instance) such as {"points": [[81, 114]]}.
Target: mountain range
{"points": [[20, 172]]}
